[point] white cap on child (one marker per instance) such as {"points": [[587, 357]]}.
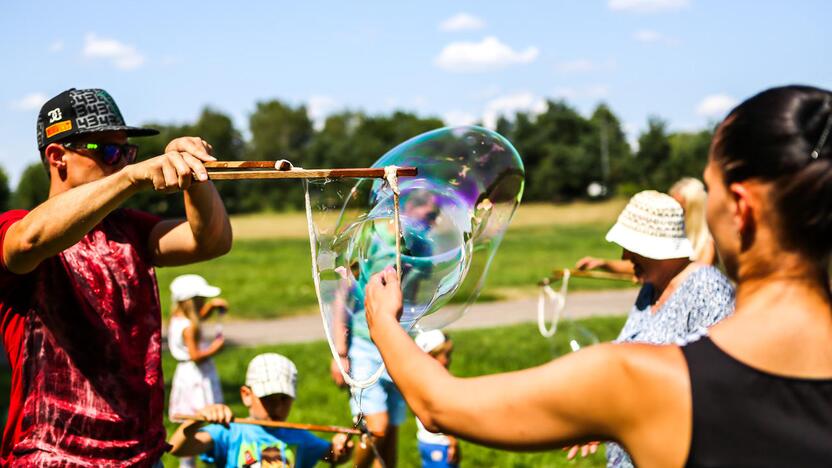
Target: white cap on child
{"points": [[186, 287], [271, 373], [427, 341]]}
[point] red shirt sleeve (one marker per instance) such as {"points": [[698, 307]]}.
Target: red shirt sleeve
{"points": [[7, 219]]}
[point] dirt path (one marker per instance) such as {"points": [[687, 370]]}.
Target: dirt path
{"points": [[490, 314]]}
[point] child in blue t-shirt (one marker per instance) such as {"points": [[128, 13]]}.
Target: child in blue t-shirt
{"points": [[268, 394]]}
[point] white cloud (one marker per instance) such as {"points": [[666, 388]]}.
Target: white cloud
{"points": [[318, 108], [56, 46], [715, 106], [510, 104], [647, 6], [462, 22], [456, 117], [650, 36], [583, 66], [32, 101], [596, 91], [488, 54], [122, 56]]}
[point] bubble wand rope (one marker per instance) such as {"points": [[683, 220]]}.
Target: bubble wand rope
{"points": [[390, 174], [354, 384], [559, 301]]}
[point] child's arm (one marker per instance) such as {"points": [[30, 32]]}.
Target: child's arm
{"points": [[192, 343], [340, 330], [340, 450], [209, 306], [189, 441]]}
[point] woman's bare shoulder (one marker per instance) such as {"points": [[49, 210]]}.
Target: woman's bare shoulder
{"points": [[657, 401]]}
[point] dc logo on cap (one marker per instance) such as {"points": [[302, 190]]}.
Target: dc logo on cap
{"points": [[55, 115]]}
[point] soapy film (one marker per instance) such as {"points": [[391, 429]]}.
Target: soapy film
{"points": [[453, 216]]}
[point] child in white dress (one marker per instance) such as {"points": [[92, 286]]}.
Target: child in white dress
{"points": [[195, 381]]}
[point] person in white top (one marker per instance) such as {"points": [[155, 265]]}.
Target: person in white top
{"points": [[436, 449], [196, 383]]}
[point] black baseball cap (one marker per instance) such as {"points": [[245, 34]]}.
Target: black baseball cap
{"points": [[80, 111]]}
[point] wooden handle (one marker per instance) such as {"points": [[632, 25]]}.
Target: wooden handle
{"points": [[558, 274], [240, 170], [281, 424]]}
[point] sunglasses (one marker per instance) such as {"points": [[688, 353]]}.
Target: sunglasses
{"points": [[109, 153]]}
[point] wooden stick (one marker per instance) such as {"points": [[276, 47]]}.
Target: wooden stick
{"points": [[282, 424], [219, 170], [558, 274], [239, 164]]}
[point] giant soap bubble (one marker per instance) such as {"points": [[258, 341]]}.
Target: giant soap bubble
{"points": [[453, 216]]}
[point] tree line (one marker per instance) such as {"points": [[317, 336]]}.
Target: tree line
{"points": [[564, 153]]}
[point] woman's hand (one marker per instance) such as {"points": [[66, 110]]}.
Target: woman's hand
{"points": [[590, 263], [586, 450], [454, 452], [383, 298]]}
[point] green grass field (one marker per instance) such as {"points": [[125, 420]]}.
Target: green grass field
{"points": [[272, 277], [478, 352], [268, 271]]}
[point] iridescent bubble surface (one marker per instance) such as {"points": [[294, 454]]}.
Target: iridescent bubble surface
{"points": [[453, 216]]}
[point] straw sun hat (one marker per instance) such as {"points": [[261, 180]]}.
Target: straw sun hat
{"points": [[653, 226]]}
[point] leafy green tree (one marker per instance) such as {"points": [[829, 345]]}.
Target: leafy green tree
{"points": [[33, 187], [5, 192], [614, 154], [653, 156], [688, 156], [561, 149], [278, 131], [218, 129]]}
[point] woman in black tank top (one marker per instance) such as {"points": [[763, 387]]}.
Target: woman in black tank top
{"points": [[755, 391]]}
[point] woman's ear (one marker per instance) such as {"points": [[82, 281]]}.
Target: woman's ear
{"points": [[744, 205]]}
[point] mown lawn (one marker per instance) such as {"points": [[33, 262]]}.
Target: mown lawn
{"points": [[477, 352], [272, 277]]}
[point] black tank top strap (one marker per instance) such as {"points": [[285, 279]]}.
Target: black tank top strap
{"points": [[744, 417]]}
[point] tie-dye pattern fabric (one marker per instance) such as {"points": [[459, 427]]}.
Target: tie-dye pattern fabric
{"points": [[83, 336]]}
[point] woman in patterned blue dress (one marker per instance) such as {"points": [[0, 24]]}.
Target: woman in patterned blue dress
{"points": [[679, 298]]}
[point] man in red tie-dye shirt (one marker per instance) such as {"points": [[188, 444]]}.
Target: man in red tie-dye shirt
{"points": [[79, 303]]}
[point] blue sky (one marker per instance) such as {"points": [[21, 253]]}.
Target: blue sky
{"points": [[685, 60]]}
